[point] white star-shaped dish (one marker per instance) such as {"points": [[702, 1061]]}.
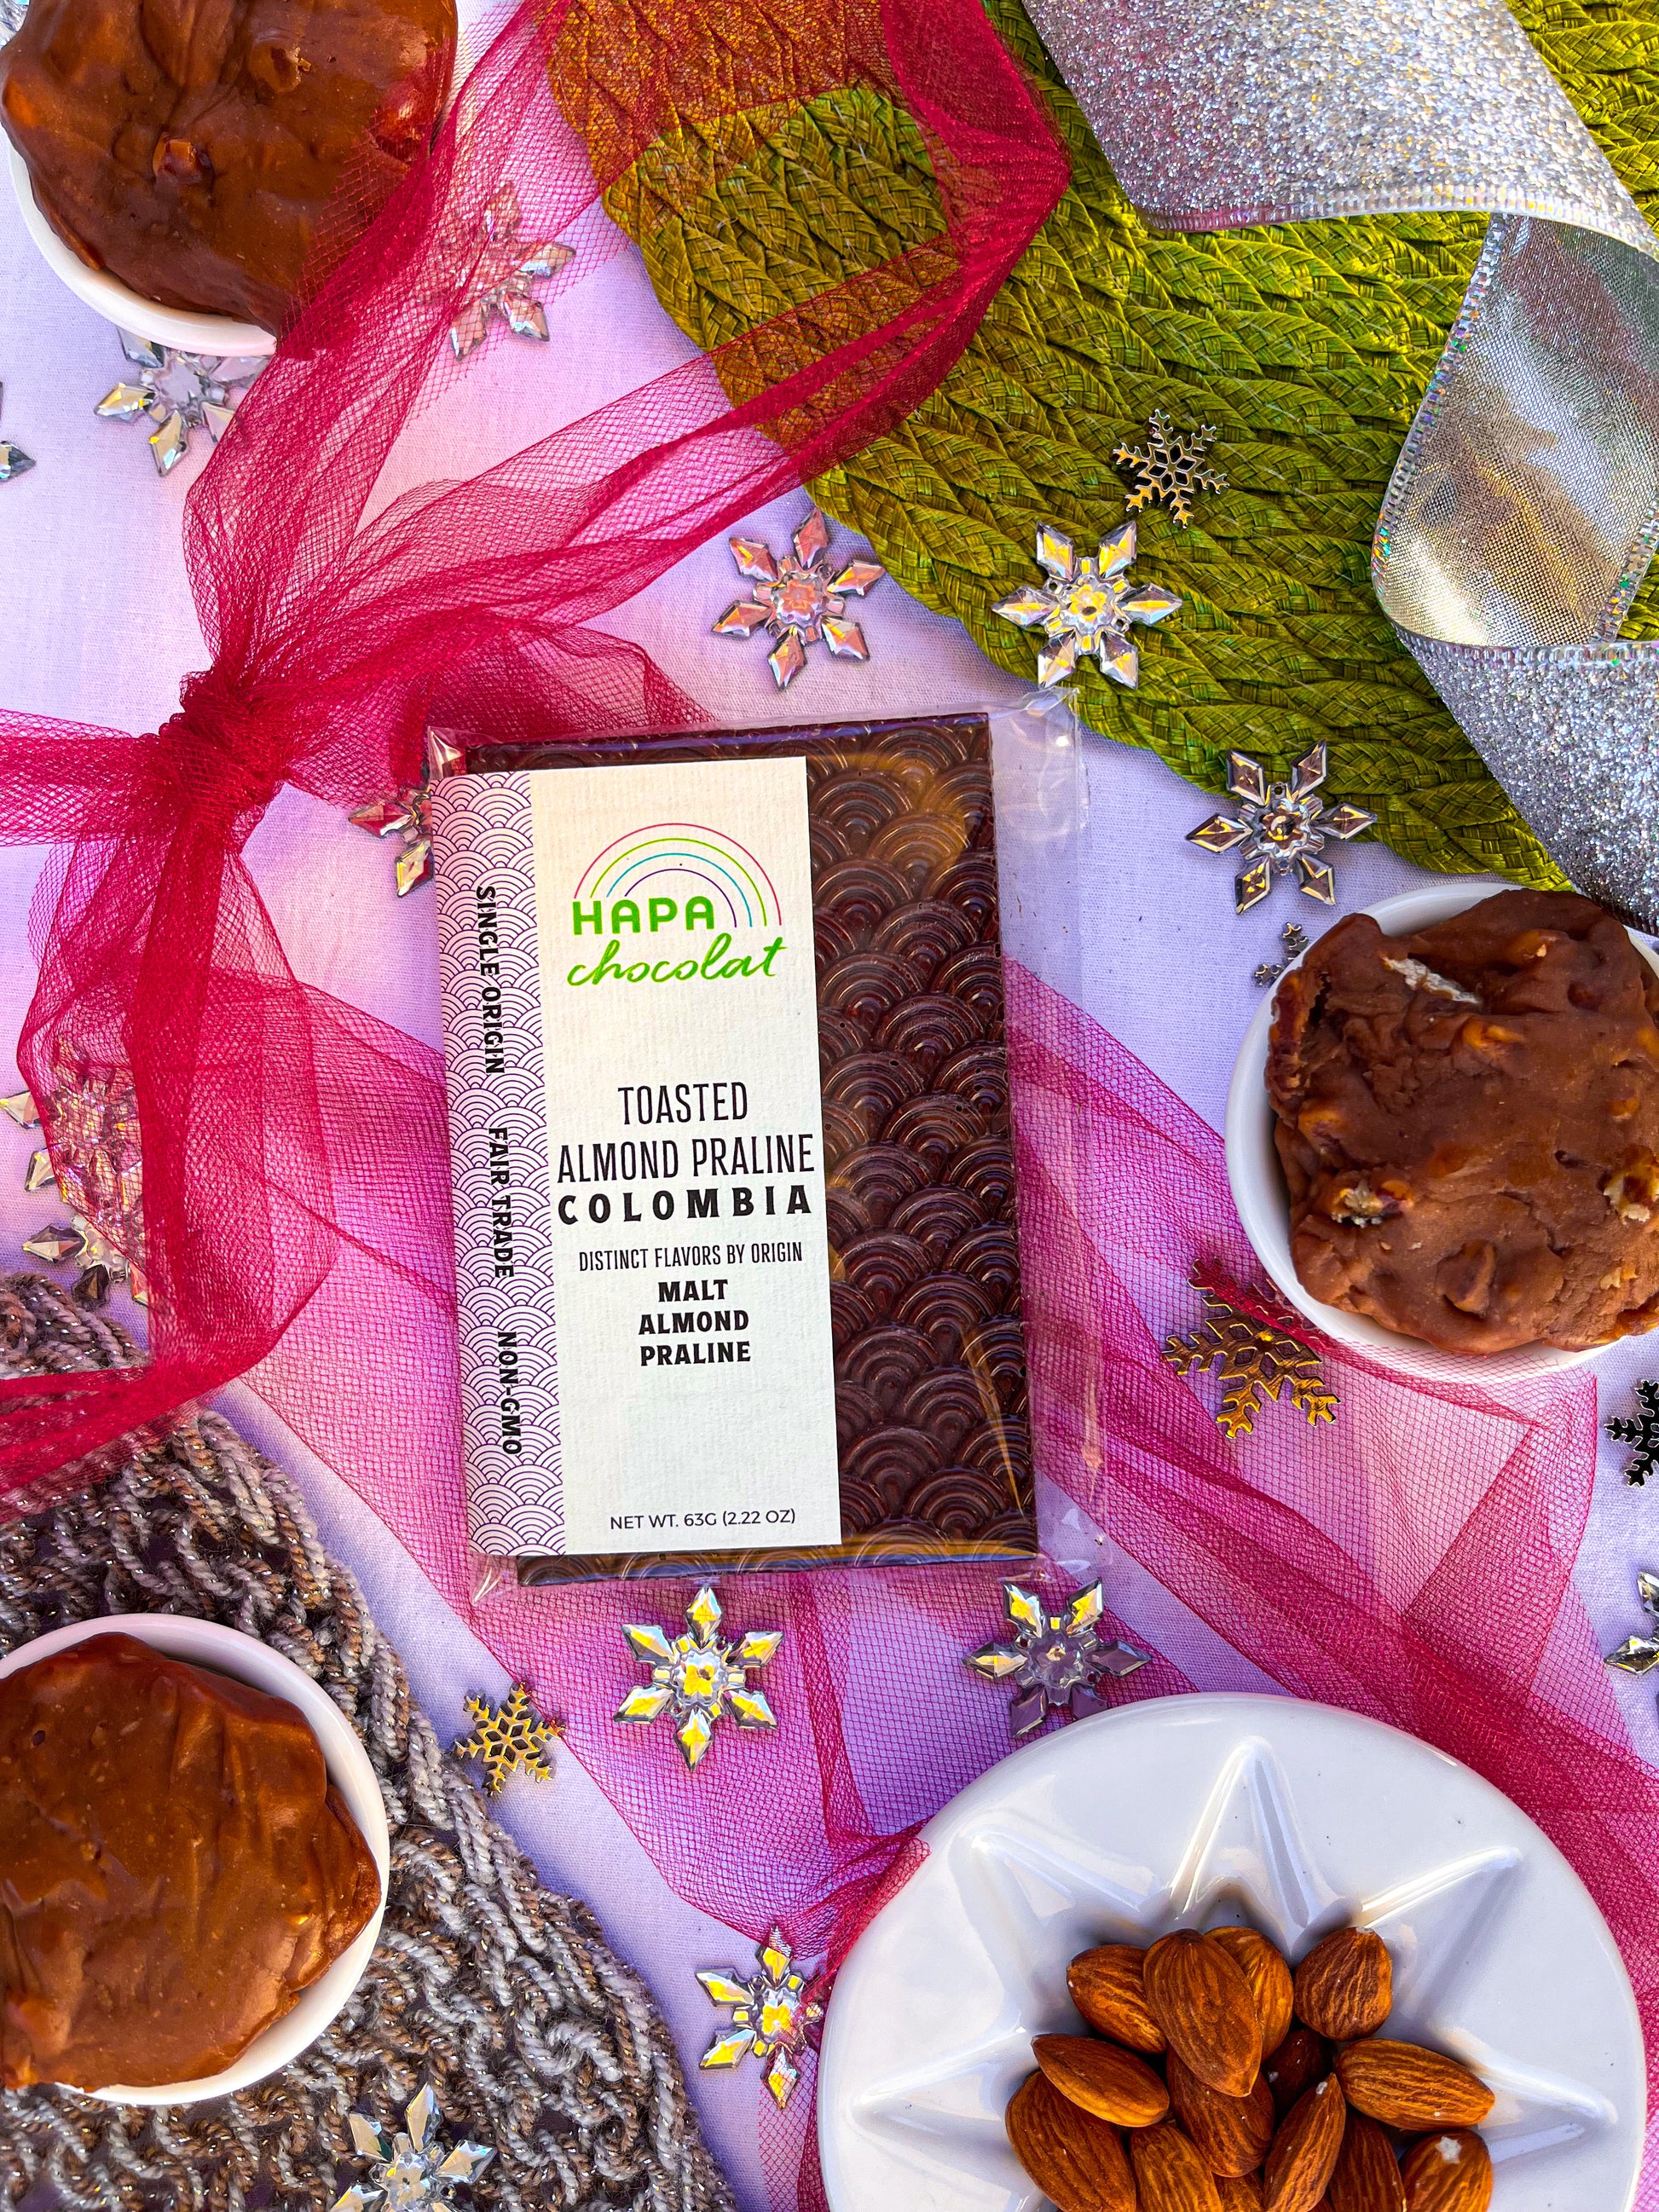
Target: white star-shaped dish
{"points": [[1192, 1812]]}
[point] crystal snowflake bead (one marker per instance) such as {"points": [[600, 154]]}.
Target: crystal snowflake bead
{"points": [[409, 2171], [1280, 827], [1087, 606], [797, 600], [14, 461], [770, 2015], [498, 267], [178, 393], [406, 814], [699, 1678], [1640, 1655], [1056, 1660], [1172, 469]]}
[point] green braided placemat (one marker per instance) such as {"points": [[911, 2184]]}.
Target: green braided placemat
{"points": [[1309, 347]]}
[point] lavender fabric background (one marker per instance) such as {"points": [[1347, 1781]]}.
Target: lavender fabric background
{"points": [[98, 625]]}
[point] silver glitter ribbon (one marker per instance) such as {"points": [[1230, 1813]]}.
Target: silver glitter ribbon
{"points": [[1524, 507]]}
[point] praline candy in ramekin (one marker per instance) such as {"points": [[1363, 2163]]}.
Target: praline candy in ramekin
{"points": [[1467, 1122], [176, 1867]]}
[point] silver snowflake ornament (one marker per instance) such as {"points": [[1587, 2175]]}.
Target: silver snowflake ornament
{"points": [[1087, 606], [178, 392], [770, 2015], [499, 267], [1640, 1655], [1172, 469], [406, 814], [796, 599], [699, 1678], [1056, 1660], [1279, 826], [1644, 1433], [409, 2171], [14, 461]]}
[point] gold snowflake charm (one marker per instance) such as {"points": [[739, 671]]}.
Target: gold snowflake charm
{"points": [[797, 600], [1087, 606], [1241, 1336], [770, 2016], [1173, 468], [509, 1739], [698, 1678], [1283, 826]]}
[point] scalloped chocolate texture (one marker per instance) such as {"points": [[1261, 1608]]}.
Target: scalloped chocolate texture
{"points": [[975, 977], [844, 1220], [856, 806], [935, 1127], [981, 1076], [877, 1179], [929, 1028], [946, 1307], [920, 847], [997, 1354], [857, 1411], [949, 1404], [838, 1035], [927, 932], [938, 1218], [986, 1171], [859, 894], [872, 1085], [971, 885], [990, 1256], [882, 1265], [866, 986], [930, 1362], [885, 1362]]}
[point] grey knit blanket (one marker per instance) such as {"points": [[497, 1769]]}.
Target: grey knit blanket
{"points": [[535, 2038]]}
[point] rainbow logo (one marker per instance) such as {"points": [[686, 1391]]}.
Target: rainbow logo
{"points": [[640, 864]]}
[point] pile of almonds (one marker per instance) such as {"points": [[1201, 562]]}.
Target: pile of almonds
{"points": [[1226, 2084]]}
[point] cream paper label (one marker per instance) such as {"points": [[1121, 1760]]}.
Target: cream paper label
{"points": [[684, 1156]]}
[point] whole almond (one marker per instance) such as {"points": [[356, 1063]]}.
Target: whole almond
{"points": [[1409, 2088], [1344, 1986], [1300, 2061], [1109, 1990], [1449, 2173], [1264, 1968], [1367, 2176], [1169, 2174], [1112, 2084], [1306, 2150], [1239, 2192], [1232, 2134], [1199, 1996], [1076, 2161]]}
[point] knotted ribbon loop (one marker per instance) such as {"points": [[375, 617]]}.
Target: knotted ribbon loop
{"points": [[221, 757]]}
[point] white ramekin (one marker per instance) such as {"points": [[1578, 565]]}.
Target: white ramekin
{"points": [[227, 1651], [182, 327], [1263, 1203]]}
